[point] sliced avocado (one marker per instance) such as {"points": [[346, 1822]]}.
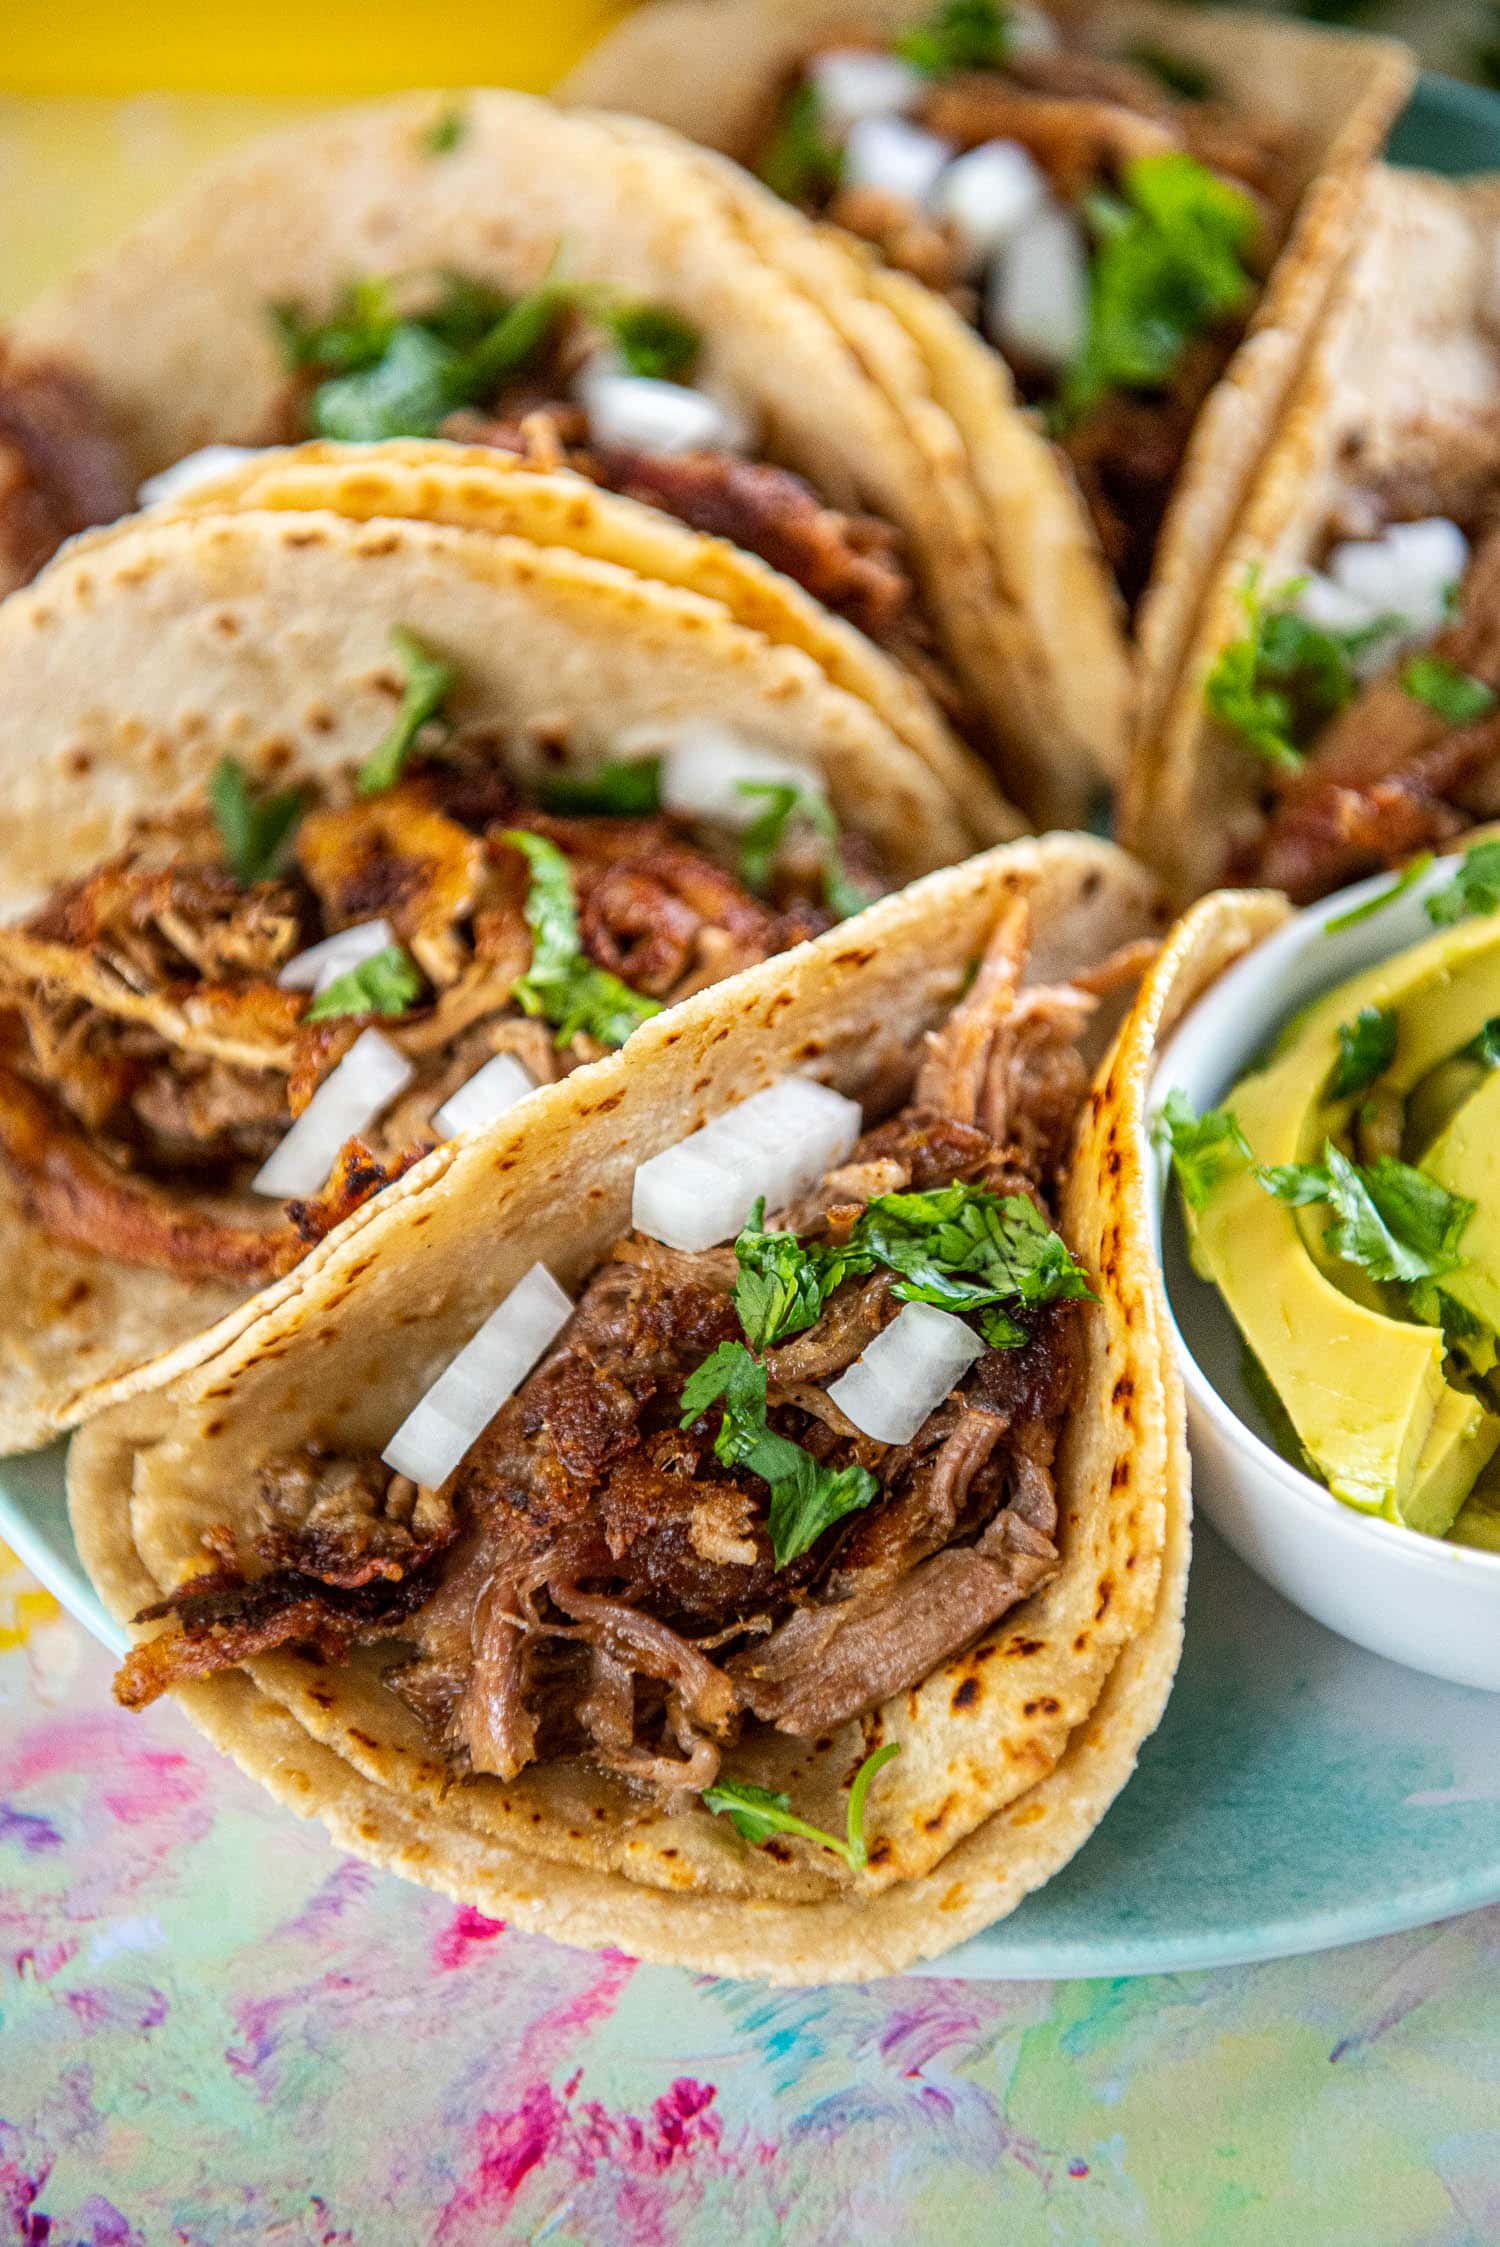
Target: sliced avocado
{"points": [[1465, 1157], [1463, 1440], [1362, 1390], [1478, 1521]]}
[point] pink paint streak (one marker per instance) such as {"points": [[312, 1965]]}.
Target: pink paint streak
{"points": [[580, 2138], [466, 1932]]}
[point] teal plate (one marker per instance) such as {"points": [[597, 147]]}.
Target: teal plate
{"points": [[1299, 1792]]}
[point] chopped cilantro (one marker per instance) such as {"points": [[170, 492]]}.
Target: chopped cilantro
{"points": [[1204, 1149], [408, 391], [782, 1285], [1167, 266], [1408, 878], [762, 843], [445, 132], [806, 1499], [429, 682], [1283, 679], [257, 830], [967, 1249], [757, 1813], [355, 334], [1396, 1223], [803, 161], [958, 35], [1367, 1047], [622, 788], [387, 983], [1475, 888], [562, 985], [1188, 80], [1455, 695], [652, 339], [1484, 1046]]}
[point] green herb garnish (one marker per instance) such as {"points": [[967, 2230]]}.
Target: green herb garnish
{"points": [[651, 339], [803, 161], [257, 830], [1475, 888], [1168, 264], [958, 35], [1484, 1046], [429, 682], [782, 1285], [968, 1250], [763, 840], [622, 788], [1396, 1223], [387, 983], [1283, 679], [1454, 694], [1367, 1047], [806, 1499], [562, 985], [1204, 1149], [445, 132], [1408, 878], [757, 1813]]}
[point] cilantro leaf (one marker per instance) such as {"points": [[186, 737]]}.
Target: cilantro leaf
{"points": [[764, 838], [356, 333], [1204, 1149], [806, 1499], [1396, 1223], [1168, 265], [429, 682], [622, 788], [1484, 1046], [1475, 888], [445, 132], [1408, 878], [967, 1249], [958, 35], [652, 339], [1367, 1047], [1281, 681], [782, 1285], [387, 983], [408, 392], [803, 160], [257, 830], [1454, 694], [756, 1813], [562, 985]]}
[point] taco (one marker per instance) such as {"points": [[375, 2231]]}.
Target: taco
{"points": [[1338, 711], [489, 269], [1141, 209], [318, 819], [784, 1555]]}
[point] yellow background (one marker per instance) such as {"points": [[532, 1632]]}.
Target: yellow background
{"points": [[105, 109]]}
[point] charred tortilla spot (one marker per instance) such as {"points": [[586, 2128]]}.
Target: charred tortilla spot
{"points": [[299, 537], [1021, 1648], [965, 1693], [1046, 1706], [78, 762], [880, 1854], [1029, 1814], [1124, 1388], [1119, 1474]]}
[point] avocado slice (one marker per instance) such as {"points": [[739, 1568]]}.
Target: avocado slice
{"points": [[1465, 1157], [1478, 1521], [1463, 1440]]}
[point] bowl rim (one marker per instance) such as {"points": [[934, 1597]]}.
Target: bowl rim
{"points": [[1409, 1547]]}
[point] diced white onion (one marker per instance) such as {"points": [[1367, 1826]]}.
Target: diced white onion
{"points": [[776, 1144], [1405, 573], [987, 195], [1037, 303], [889, 153], [706, 766], [498, 1085], [855, 82], [322, 964], [194, 471], [346, 1103], [1031, 31], [906, 1372], [658, 417], [1329, 606], [465, 1397]]}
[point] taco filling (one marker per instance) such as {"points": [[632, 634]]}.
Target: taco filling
{"points": [[781, 1457], [1105, 221], [1369, 687], [216, 1045], [61, 469]]}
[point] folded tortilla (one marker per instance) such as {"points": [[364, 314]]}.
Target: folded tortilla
{"points": [[1016, 1741], [714, 70], [143, 657], [1394, 415], [173, 331]]}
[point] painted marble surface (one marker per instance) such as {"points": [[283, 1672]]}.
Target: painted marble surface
{"points": [[216, 2030]]}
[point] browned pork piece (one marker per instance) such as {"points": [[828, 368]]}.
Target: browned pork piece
{"points": [[61, 469]]}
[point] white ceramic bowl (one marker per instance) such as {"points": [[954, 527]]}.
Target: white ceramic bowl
{"points": [[1419, 1600]]}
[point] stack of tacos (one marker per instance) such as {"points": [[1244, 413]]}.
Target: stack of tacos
{"points": [[632, 1665], [1337, 713], [1137, 211]]}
